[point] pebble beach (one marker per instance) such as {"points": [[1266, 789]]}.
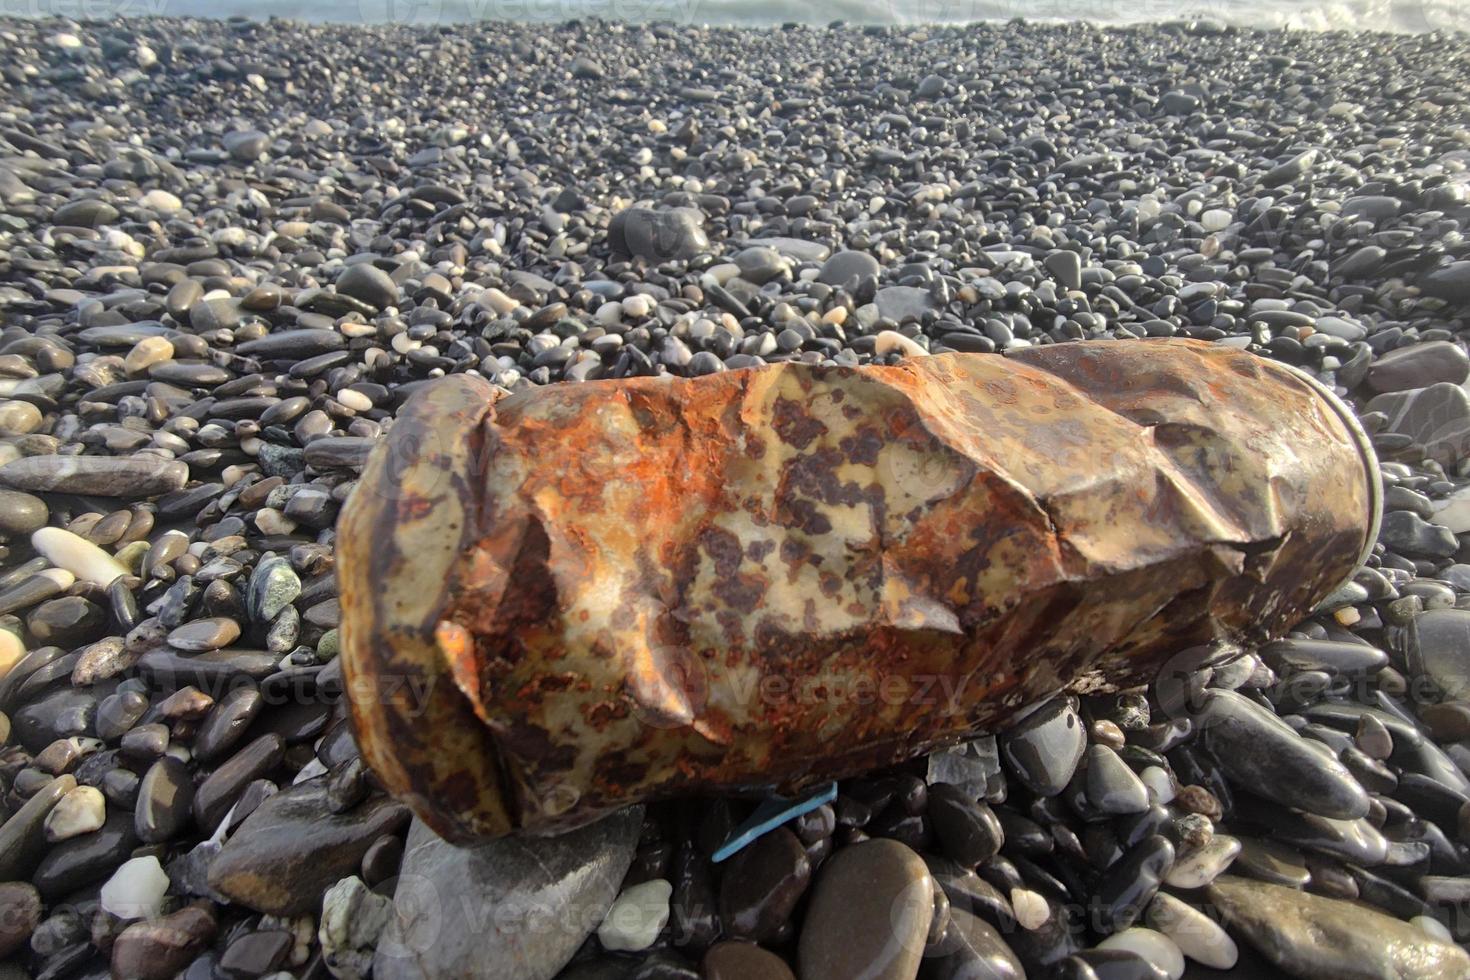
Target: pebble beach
{"points": [[231, 249]]}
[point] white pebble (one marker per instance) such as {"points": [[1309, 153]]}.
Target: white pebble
{"points": [[19, 418], [637, 917], [1197, 868], [11, 650], [1153, 946], [80, 811], [353, 918], [889, 341], [1215, 220], [148, 352], [272, 521], [66, 41], [609, 313], [1454, 511], [135, 890], [1197, 935], [1030, 907], [161, 200], [496, 300], [354, 400], [1433, 927], [637, 306], [76, 555], [1160, 785]]}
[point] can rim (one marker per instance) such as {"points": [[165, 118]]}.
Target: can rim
{"points": [[1365, 452]]}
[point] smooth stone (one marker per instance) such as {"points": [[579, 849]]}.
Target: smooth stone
{"points": [[1333, 656], [65, 622], [1409, 534], [20, 913], [1290, 170], [869, 914], [1112, 787], [1325, 939], [76, 555], [1448, 282], [900, 303], [136, 889], [1257, 749], [1198, 936], [218, 792], [1044, 749], [1418, 366], [338, 452], [795, 248], [972, 949], [246, 145], [160, 949], [1438, 650], [1066, 266], [226, 723], [1436, 418], [1202, 865], [658, 235], [1151, 946], [85, 859], [293, 847], [969, 831], [1272, 862], [165, 801], [19, 418], [1126, 888], [35, 589], [761, 885], [532, 901], [758, 264], [202, 635], [636, 917], [23, 836], [733, 960], [128, 477], [60, 714], [80, 811], [1357, 841], [21, 513], [366, 282], [215, 670], [256, 954], [847, 265]]}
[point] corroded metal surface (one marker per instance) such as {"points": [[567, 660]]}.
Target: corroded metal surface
{"points": [[564, 600]]}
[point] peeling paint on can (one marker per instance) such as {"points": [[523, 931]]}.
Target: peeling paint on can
{"points": [[629, 590]]}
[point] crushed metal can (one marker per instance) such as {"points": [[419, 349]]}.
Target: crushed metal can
{"points": [[571, 598]]}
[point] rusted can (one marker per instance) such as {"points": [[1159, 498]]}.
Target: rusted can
{"points": [[561, 601]]}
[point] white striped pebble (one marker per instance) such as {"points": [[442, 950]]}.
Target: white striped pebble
{"points": [[77, 555], [1197, 935]]}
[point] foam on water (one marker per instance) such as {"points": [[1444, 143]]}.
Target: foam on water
{"points": [[1412, 16]]}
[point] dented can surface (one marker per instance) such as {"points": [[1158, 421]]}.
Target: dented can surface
{"points": [[561, 601]]}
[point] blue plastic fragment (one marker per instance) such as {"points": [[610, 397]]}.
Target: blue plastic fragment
{"points": [[772, 813]]}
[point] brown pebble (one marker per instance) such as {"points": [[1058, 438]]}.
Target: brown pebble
{"points": [[1197, 799], [730, 960], [1106, 732]]}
